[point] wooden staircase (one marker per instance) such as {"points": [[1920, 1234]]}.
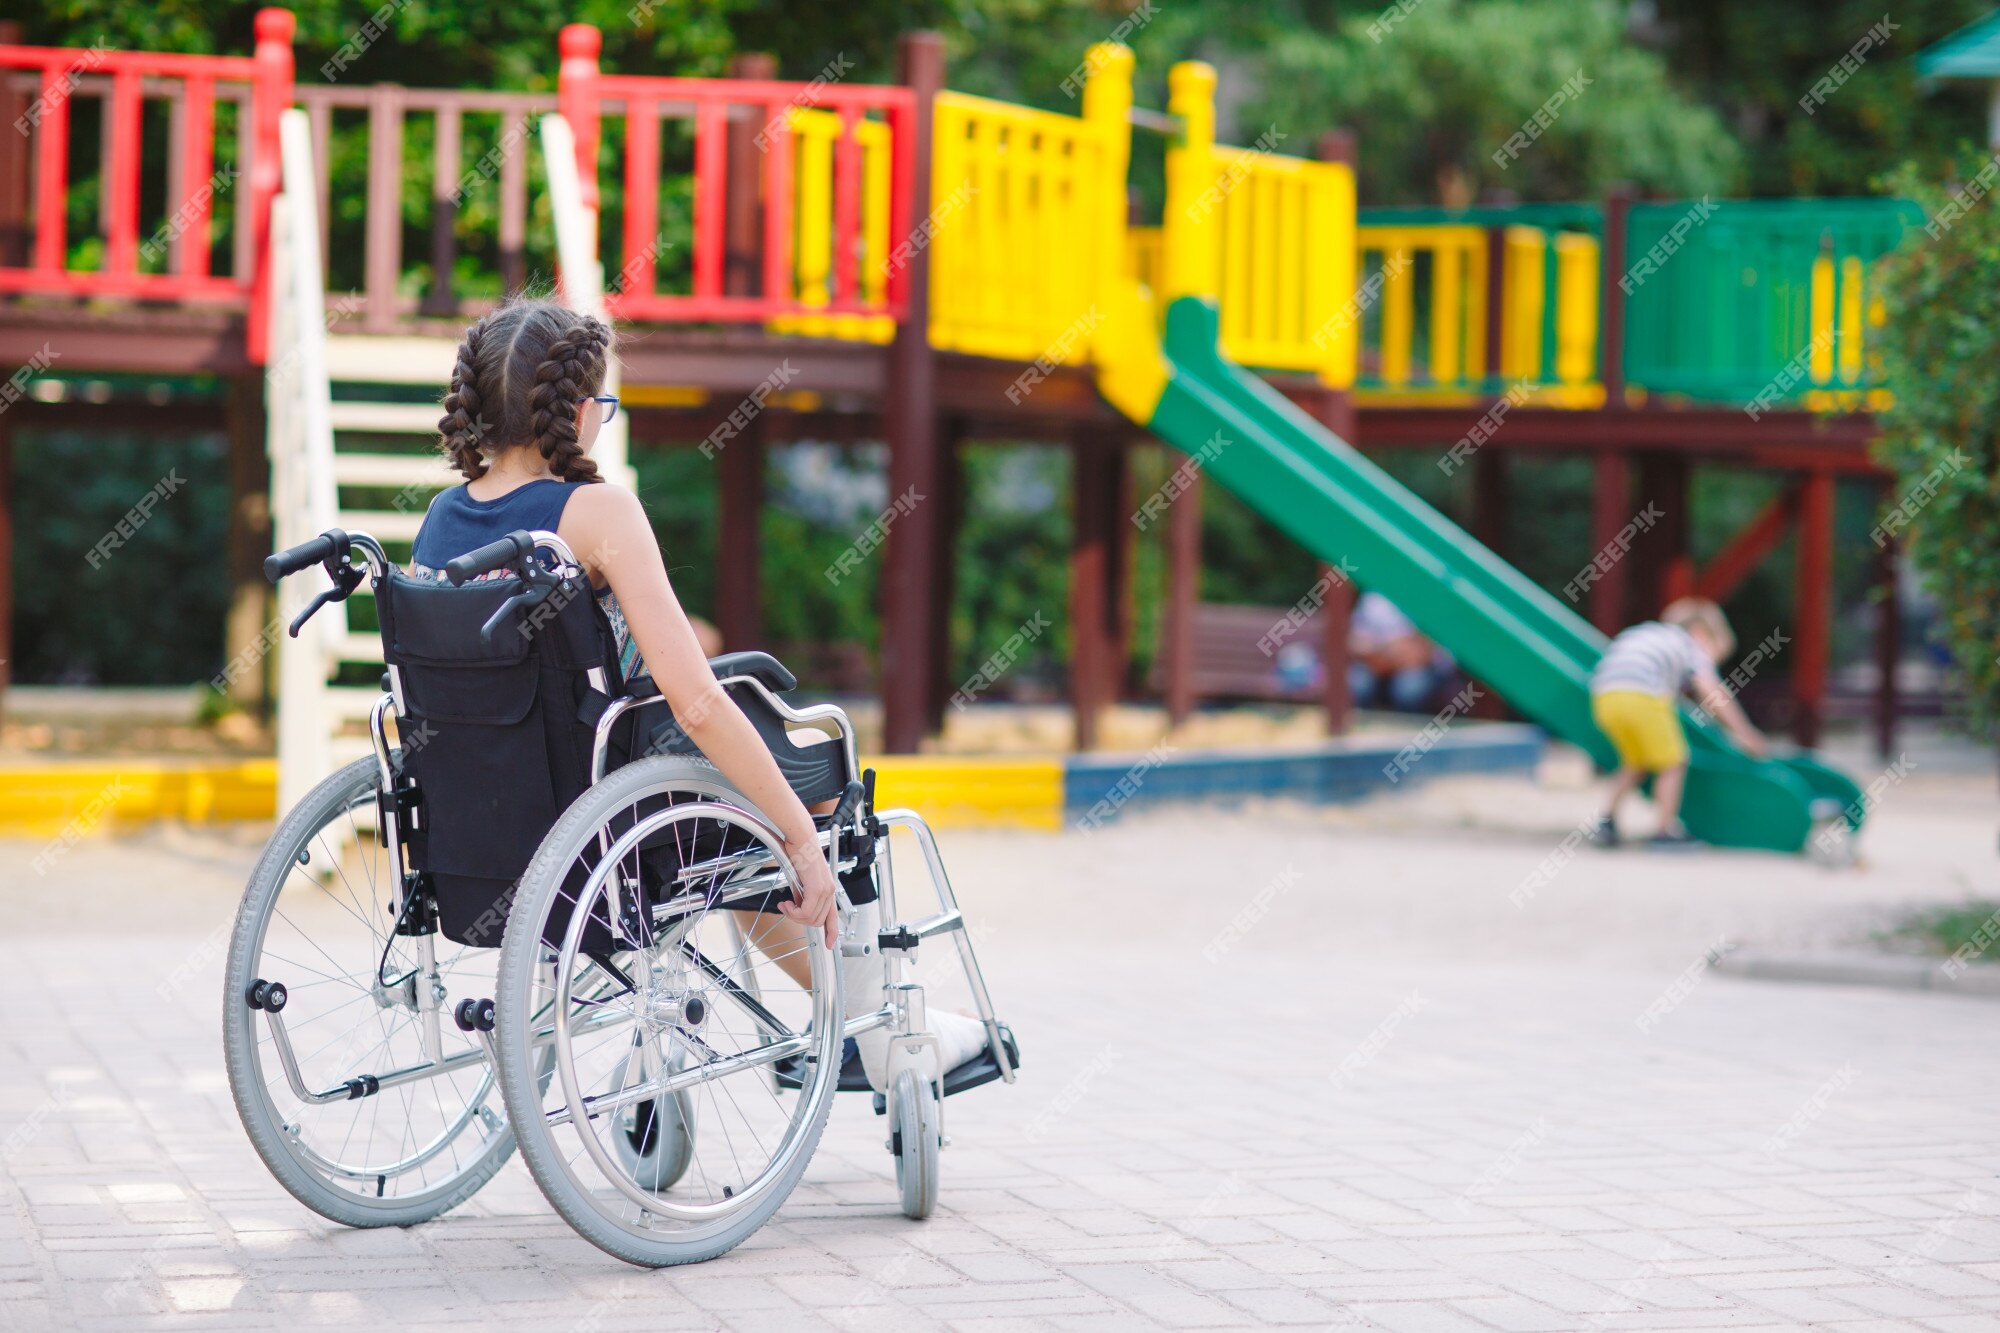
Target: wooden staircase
{"points": [[352, 435]]}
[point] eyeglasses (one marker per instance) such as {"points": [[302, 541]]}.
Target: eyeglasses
{"points": [[610, 401]]}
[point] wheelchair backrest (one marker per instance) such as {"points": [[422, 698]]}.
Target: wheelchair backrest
{"points": [[496, 730]]}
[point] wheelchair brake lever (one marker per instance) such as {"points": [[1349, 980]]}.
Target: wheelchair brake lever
{"points": [[312, 607], [532, 596], [346, 578]]}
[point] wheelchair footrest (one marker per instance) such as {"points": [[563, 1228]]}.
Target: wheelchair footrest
{"points": [[981, 1068]]}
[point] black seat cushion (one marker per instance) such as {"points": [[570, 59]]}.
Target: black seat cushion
{"points": [[761, 667]]}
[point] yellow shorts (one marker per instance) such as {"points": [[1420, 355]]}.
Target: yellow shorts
{"points": [[1644, 728]]}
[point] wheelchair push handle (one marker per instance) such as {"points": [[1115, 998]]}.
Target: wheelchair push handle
{"points": [[329, 545], [494, 555]]}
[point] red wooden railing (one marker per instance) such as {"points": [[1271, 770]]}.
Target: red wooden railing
{"points": [[721, 109], [260, 84]]}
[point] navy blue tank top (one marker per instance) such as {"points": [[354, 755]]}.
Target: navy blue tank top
{"points": [[456, 523]]}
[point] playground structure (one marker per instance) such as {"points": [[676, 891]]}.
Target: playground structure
{"points": [[912, 264]]}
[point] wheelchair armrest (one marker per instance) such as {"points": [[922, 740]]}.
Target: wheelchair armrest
{"points": [[642, 688], [765, 669]]}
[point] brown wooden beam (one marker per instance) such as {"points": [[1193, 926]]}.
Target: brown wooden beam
{"points": [[739, 579], [950, 503], [1888, 646], [1660, 560], [131, 342], [1183, 591], [743, 221], [1783, 440], [1741, 555], [1611, 296], [910, 425], [1813, 600], [1338, 613], [1490, 501], [1610, 510], [1094, 537], [251, 603], [7, 423], [14, 151]]}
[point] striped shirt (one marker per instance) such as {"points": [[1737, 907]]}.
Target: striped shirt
{"points": [[1651, 659]]}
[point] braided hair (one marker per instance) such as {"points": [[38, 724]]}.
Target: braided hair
{"points": [[518, 378]]}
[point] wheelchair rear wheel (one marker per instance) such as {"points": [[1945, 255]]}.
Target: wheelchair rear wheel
{"points": [[626, 955], [318, 978]]}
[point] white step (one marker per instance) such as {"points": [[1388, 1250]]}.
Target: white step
{"points": [[393, 470], [362, 359], [350, 703], [387, 418], [383, 525], [362, 646]]}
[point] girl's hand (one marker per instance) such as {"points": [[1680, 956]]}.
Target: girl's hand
{"points": [[818, 906]]}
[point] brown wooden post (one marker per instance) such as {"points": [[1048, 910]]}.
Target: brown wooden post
{"points": [[1813, 599], [1611, 320], [1490, 475], [909, 425], [951, 517], [1662, 567], [1336, 412], [13, 163], [440, 299], [6, 552], [1496, 299], [1610, 508], [739, 587], [382, 250], [1183, 591], [514, 199], [742, 206], [1338, 613], [251, 601], [1888, 646], [739, 595], [1093, 534]]}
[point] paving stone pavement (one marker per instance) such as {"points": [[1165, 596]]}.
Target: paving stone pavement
{"points": [[1377, 1095]]}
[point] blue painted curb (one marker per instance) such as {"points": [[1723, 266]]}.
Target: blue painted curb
{"points": [[1097, 788]]}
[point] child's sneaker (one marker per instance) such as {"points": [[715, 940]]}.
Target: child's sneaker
{"points": [[1604, 833], [1676, 841]]}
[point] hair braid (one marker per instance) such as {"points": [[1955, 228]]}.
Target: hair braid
{"points": [[461, 425], [572, 369]]}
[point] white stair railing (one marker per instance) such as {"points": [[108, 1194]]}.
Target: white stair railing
{"points": [[583, 277], [299, 441]]}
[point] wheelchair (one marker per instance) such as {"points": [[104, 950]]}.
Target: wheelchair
{"points": [[539, 917]]}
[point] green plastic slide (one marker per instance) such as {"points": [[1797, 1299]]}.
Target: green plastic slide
{"points": [[1504, 629]]}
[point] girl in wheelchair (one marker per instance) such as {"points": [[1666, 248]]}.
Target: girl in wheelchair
{"points": [[696, 912]]}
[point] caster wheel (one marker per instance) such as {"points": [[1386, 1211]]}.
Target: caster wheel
{"points": [[913, 1138], [654, 1140]]}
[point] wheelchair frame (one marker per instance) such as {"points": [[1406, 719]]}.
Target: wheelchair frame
{"points": [[754, 871]]}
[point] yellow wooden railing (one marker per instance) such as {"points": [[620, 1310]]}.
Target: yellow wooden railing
{"points": [[1452, 261], [1841, 309], [1431, 284], [1027, 220], [815, 132], [1269, 238]]}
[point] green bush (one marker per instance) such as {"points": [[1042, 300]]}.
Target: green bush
{"points": [[1940, 348]]}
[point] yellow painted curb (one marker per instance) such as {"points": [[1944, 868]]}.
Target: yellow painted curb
{"points": [[72, 802], [970, 792], [75, 801]]}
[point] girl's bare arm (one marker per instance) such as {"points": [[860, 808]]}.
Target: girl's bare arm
{"points": [[607, 528]]}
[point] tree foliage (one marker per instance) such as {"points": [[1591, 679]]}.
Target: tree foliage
{"points": [[1939, 347], [1436, 91]]}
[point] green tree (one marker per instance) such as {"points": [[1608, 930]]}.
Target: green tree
{"points": [[1435, 92], [1939, 347], [1752, 60]]}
